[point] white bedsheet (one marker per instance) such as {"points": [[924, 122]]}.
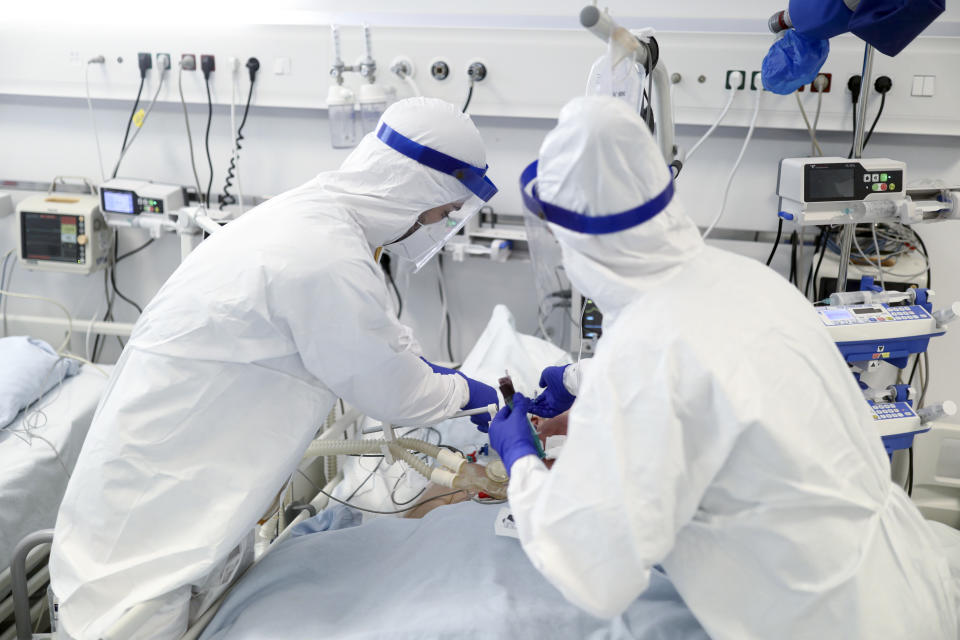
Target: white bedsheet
{"points": [[445, 576], [32, 480]]}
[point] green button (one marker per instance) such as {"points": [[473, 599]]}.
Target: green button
{"points": [[883, 177], [876, 186]]}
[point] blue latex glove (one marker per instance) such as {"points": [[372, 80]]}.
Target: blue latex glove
{"points": [[480, 395], [793, 61], [554, 399], [510, 432]]}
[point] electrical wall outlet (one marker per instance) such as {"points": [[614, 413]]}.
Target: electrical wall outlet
{"points": [[756, 84], [163, 61], [828, 76], [145, 61], [188, 61], [742, 84], [208, 63]]}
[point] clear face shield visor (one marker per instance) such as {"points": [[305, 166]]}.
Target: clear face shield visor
{"points": [[429, 237]]}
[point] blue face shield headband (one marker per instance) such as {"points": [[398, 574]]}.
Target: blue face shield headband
{"points": [[587, 224], [473, 178]]}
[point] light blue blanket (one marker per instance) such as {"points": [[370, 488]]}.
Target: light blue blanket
{"points": [[445, 576]]}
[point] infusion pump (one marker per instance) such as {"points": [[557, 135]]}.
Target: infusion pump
{"points": [[62, 232]]}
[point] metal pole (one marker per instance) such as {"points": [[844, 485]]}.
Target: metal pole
{"points": [[846, 240]]}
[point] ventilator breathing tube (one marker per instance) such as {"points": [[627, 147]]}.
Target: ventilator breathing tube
{"points": [[452, 471]]}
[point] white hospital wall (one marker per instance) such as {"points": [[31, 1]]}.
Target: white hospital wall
{"points": [[43, 136]]}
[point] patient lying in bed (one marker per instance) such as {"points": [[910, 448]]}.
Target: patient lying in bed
{"points": [[439, 572]]}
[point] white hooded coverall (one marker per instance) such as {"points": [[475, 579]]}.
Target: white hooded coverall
{"points": [[234, 366], [718, 431]]}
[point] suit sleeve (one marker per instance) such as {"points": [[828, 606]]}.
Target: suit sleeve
{"points": [[641, 451]]}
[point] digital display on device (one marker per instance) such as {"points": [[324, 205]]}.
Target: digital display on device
{"points": [[868, 310], [830, 184], [837, 314], [117, 201], [49, 236]]}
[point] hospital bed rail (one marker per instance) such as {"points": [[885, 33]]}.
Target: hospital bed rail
{"points": [[24, 585]]}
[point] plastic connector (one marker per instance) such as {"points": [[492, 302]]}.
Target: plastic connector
{"points": [[883, 84], [188, 61], [253, 65], [145, 63], [163, 61], [207, 65]]}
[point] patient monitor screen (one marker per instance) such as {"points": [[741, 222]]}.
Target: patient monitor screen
{"points": [[50, 236]]}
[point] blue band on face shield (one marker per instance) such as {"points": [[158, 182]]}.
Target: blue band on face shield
{"points": [[590, 224], [473, 178]]}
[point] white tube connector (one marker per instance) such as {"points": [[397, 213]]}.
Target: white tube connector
{"points": [[946, 408], [442, 477], [450, 459], [947, 314]]}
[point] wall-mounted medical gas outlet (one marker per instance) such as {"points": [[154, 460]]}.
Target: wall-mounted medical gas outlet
{"points": [[735, 81], [440, 70], [476, 71], [188, 61]]}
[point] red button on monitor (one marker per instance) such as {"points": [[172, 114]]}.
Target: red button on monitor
{"points": [[883, 186]]}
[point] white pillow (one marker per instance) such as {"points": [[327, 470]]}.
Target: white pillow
{"points": [[28, 369]]}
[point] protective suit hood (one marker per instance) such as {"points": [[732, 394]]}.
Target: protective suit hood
{"points": [[383, 190], [600, 160]]}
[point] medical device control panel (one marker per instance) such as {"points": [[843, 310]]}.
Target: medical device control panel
{"points": [[896, 419], [62, 232], [123, 197], [840, 179], [877, 322], [841, 190]]}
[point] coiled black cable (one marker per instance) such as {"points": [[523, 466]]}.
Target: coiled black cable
{"points": [[227, 198], [206, 143]]}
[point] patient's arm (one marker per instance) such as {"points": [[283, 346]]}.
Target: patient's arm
{"points": [[434, 490]]}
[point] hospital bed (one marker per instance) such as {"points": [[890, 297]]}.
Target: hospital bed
{"points": [[343, 573], [347, 574], [34, 459]]}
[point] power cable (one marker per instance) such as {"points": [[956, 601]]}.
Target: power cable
{"points": [[153, 101], [133, 112], [93, 119], [466, 104], [186, 120], [776, 242], [206, 138], [253, 65], [736, 165], [723, 114]]}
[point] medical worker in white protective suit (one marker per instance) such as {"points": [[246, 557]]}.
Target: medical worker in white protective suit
{"points": [[237, 361], [717, 432]]}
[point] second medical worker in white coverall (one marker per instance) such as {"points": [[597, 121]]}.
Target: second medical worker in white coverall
{"points": [[717, 432], [239, 358]]}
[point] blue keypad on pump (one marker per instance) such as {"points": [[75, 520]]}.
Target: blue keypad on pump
{"points": [[892, 411]]}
